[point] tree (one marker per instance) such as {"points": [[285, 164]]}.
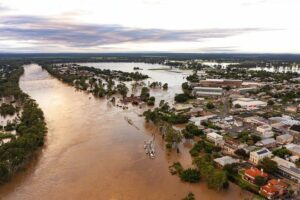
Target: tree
{"points": [[190, 175], [151, 101], [172, 136], [145, 94], [165, 86], [122, 89], [260, 181], [193, 129], [270, 102], [193, 78], [268, 165], [218, 180], [181, 98], [190, 196], [210, 105], [282, 153], [242, 153]]}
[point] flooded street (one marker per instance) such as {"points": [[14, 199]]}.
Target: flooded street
{"points": [[91, 152]]}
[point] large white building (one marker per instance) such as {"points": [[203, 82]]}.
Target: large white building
{"points": [[288, 169], [265, 131], [225, 160], [249, 104], [256, 156], [207, 91], [216, 138]]}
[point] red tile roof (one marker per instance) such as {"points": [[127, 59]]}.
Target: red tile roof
{"points": [[254, 172]]}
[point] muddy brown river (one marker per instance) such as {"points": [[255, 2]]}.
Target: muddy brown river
{"points": [[91, 152]]}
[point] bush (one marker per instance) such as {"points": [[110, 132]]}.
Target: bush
{"points": [[190, 175], [260, 181], [181, 98], [190, 196], [176, 168], [210, 105], [165, 86]]}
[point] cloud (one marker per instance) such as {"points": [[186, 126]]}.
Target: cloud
{"points": [[39, 30]]}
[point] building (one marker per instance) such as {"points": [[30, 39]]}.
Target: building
{"points": [[265, 131], [256, 156], [225, 160], [216, 138], [292, 109], [274, 189], [207, 91], [251, 173], [182, 107], [245, 90], [198, 120], [230, 146], [255, 120], [268, 143], [294, 149], [221, 83], [287, 169], [249, 104], [284, 139]]}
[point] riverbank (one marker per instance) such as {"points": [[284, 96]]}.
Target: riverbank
{"points": [[23, 134]]}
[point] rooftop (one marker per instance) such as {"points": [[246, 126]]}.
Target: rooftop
{"points": [[254, 172]]}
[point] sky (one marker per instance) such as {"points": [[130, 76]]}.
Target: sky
{"points": [[184, 26]]}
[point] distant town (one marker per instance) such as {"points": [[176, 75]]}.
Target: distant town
{"points": [[240, 116]]}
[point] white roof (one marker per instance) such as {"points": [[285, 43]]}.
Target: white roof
{"points": [[293, 147], [285, 136], [226, 160], [214, 135], [283, 162], [266, 141]]}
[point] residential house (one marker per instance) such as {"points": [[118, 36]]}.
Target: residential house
{"points": [[268, 143], [265, 131], [274, 189], [256, 156], [284, 139], [294, 149], [225, 160], [251, 173]]}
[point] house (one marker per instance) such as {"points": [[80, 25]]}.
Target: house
{"points": [[284, 139], [256, 156], [265, 131], [249, 104], [268, 143], [197, 120], [225, 160], [274, 189], [292, 109], [287, 169], [216, 138], [294, 149], [230, 146], [251, 173], [249, 149], [255, 120]]}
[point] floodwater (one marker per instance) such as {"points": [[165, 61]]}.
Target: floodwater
{"points": [[91, 152]]}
